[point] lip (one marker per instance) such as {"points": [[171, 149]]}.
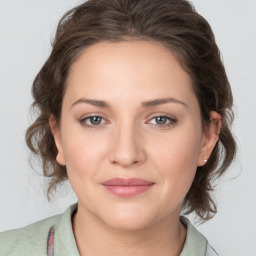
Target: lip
{"points": [[127, 187]]}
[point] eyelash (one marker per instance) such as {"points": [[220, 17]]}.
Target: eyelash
{"points": [[171, 121], [91, 126]]}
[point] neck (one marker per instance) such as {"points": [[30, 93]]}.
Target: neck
{"points": [[94, 237]]}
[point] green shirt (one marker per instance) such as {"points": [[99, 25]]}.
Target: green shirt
{"points": [[32, 240]]}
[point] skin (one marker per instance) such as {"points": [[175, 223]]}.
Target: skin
{"points": [[127, 143]]}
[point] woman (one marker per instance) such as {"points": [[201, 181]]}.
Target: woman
{"points": [[134, 110]]}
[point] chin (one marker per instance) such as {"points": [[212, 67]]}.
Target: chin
{"points": [[128, 219], [131, 223]]}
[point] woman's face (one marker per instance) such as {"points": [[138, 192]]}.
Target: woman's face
{"points": [[130, 133]]}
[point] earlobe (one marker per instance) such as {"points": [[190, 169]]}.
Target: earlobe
{"points": [[211, 137], [57, 138]]}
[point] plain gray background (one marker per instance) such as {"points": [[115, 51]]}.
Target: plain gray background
{"points": [[26, 28]]}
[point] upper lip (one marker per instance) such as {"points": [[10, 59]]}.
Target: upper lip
{"points": [[127, 182]]}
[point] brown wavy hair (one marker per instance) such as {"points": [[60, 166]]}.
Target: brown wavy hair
{"points": [[173, 23]]}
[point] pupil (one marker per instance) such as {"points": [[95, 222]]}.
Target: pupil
{"points": [[161, 120], [95, 120]]}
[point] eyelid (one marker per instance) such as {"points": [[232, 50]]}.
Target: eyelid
{"points": [[84, 117], [82, 120], [172, 120]]}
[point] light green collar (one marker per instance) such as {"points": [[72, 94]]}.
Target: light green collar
{"points": [[65, 244], [196, 243], [64, 240]]}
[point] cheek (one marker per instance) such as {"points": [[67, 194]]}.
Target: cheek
{"points": [[176, 160], [181, 148], [84, 152], [82, 158]]}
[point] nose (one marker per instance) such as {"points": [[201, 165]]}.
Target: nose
{"points": [[127, 147]]}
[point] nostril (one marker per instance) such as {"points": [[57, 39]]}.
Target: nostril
{"points": [[125, 147], [125, 159]]}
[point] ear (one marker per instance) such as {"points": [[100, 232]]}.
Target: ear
{"points": [[57, 138], [211, 136]]}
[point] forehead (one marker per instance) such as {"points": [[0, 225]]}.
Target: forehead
{"points": [[138, 68]]}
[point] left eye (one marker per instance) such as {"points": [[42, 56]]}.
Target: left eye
{"points": [[162, 121], [93, 120]]}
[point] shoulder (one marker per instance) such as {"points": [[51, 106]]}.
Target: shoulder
{"points": [[29, 240]]}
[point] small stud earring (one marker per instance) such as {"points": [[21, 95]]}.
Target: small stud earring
{"points": [[205, 160]]}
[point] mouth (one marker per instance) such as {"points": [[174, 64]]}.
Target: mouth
{"points": [[127, 187]]}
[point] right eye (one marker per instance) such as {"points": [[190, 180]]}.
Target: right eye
{"points": [[93, 121]]}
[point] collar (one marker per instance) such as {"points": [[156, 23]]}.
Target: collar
{"points": [[64, 239], [196, 243], [65, 244]]}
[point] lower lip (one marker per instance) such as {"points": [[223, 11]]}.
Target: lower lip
{"points": [[126, 191]]}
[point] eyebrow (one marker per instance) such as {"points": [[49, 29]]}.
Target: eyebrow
{"points": [[145, 104], [97, 103], [156, 102]]}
